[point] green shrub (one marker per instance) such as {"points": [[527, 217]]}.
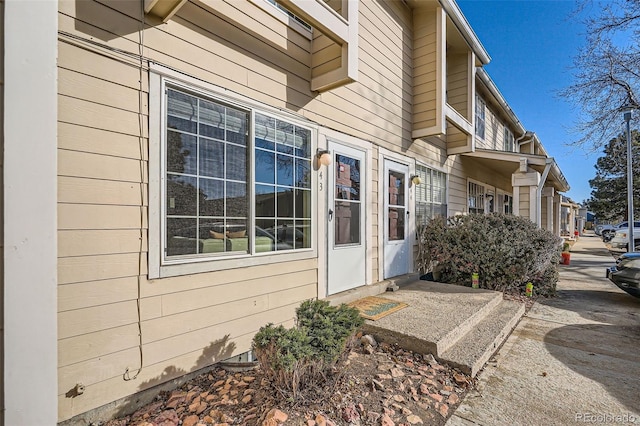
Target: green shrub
{"points": [[328, 327], [307, 354], [506, 251]]}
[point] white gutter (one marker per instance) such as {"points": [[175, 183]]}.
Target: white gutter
{"points": [[495, 92], [525, 138], [459, 20]]}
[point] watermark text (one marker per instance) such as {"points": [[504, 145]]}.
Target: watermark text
{"points": [[599, 418]]}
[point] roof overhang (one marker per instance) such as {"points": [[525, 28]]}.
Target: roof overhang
{"points": [[497, 97], [506, 163], [457, 17], [163, 9]]}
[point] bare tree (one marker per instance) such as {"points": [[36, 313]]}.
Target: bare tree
{"points": [[607, 71]]}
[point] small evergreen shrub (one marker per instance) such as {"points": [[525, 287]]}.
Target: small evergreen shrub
{"points": [[506, 251], [329, 328], [306, 355]]}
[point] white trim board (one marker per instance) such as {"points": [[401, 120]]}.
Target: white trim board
{"points": [[30, 213]]}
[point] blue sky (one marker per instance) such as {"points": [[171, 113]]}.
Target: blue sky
{"points": [[532, 44]]}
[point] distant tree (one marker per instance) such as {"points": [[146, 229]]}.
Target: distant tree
{"points": [[609, 187], [606, 70]]}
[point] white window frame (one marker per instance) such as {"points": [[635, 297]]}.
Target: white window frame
{"points": [[508, 140], [508, 209], [285, 16], [479, 197], [480, 116], [445, 201], [159, 267], [500, 205]]}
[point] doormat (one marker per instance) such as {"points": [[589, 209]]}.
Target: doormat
{"points": [[374, 308]]}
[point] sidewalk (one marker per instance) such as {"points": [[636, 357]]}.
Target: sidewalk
{"points": [[571, 359]]}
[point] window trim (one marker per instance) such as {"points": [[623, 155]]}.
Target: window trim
{"points": [[484, 195], [446, 187], [283, 17], [507, 131], [510, 195], [481, 101], [158, 267]]}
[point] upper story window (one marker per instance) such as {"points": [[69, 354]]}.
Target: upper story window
{"points": [[431, 194], [476, 193], [508, 140], [215, 203], [480, 117], [291, 15]]}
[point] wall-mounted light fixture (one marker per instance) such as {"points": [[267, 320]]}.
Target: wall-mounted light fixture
{"points": [[489, 197], [415, 179], [323, 156]]}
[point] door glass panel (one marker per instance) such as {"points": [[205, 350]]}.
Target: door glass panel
{"points": [[396, 223], [347, 178], [396, 212], [347, 223], [347, 204], [396, 188]]}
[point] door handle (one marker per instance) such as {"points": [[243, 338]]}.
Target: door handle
{"points": [[330, 215]]}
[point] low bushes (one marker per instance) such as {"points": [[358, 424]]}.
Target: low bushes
{"points": [[306, 355], [506, 251]]}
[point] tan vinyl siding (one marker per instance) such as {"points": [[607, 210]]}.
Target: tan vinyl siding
{"points": [[457, 194], [187, 321], [455, 137], [491, 129], [276, 79], [462, 168], [458, 83], [544, 212], [327, 54], [425, 68], [494, 131], [525, 201]]}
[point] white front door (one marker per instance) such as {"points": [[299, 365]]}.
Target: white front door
{"points": [[346, 228], [397, 244]]}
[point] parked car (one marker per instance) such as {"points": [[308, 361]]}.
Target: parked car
{"points": [[598, 228], [626, 273], [608, 231], [620, 240]]}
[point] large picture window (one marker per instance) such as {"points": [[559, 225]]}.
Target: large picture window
{"points": [[215, 203], [431, 195]]}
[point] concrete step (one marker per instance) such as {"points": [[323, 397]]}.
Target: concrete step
{"points": [[472, 350], [453, 335], [436, 317]]}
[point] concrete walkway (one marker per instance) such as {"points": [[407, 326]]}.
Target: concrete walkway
{"points": [[572, 359]]}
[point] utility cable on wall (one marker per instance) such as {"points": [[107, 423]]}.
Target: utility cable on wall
{"points": [[141, 124]]}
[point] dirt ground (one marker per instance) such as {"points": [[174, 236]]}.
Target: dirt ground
{"points": [[378, 385]]}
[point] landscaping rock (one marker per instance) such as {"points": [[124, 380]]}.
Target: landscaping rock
{"points": [[388, 387]]}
